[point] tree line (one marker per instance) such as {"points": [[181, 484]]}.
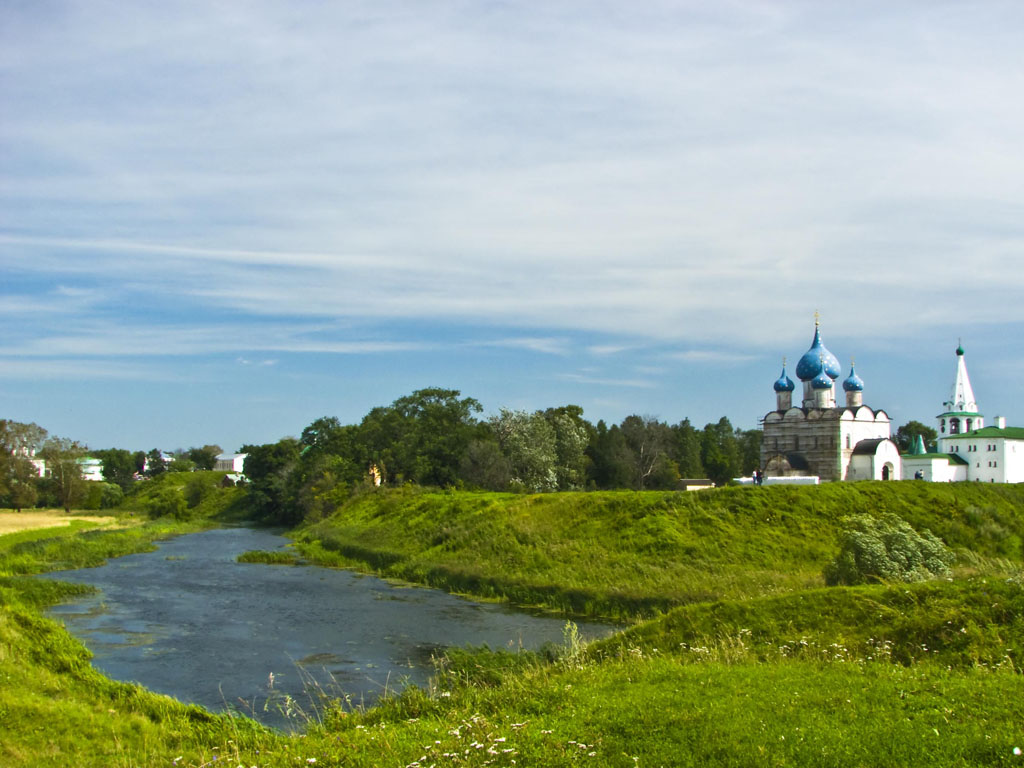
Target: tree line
{"points": [[435, 437], [25, 448]]}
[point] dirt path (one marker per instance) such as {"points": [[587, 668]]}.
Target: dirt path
{"points": [[11, 522]]}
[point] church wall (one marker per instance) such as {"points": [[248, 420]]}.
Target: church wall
{"points": [[853, 431]]}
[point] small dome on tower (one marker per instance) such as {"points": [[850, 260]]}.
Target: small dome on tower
{"points": [[853, 382], [784, 383], [817, 359], [960, 350], [822, 380]]}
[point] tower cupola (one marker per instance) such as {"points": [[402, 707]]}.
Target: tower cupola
{"points": [[853, 385], [960, 413], [823, 389], [817, 359], [783, 387]]}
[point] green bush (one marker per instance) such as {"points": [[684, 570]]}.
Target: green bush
{"points": [[167, 501], [102, 496], [198, 487], [886, 548]]}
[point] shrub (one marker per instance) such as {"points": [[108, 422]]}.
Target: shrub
{"points": [[102, 496], [886, 548], [167, 501], [198, 487]]}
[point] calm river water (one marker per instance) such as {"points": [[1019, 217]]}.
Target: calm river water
{"points": [[191, 622]]}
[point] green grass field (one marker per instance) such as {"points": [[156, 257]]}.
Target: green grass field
{"points": [[737, 654]]}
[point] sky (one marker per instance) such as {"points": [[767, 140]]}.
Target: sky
{"points": [[220, 221]]}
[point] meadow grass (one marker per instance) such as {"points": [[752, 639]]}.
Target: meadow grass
{"points": [[625, 554], [275, 557], [730, 672]]}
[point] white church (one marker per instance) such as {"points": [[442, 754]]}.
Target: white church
{"points": [[819, 437], [967, 449]]}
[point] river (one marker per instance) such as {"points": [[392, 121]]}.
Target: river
{"points": [[191, 622]]}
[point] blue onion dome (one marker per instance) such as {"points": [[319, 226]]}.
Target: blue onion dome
{"points": [[822, 380], [784, 383], [817, 359], [853, 382]]}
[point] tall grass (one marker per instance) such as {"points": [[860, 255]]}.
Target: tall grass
{"points": [[769, 669], [625, 554]]}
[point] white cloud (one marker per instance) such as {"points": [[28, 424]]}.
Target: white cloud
{"points": [[684, 173], [576, 378]]}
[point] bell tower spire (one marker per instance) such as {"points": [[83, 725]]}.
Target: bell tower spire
{"points": [[961, 410]]}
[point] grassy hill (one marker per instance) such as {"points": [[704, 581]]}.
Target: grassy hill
{"points": [[624, 554], [748, 660]]}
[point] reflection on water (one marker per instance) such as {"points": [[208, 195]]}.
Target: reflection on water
{"points": [[191, 622]]}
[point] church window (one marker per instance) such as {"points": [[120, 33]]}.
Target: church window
{"points": [[942, 425], [847, 441], [968, 425], [954, 426]]}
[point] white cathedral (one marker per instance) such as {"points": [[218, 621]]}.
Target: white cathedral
{"points": [[820, 438], [824, 440]]}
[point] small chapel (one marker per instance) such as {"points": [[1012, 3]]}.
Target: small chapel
{"points": [[819, 438]]}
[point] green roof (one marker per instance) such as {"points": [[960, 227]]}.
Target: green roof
{"points": [[1010, 433], [952, 458]]}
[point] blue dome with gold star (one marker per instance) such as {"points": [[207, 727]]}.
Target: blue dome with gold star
{"points": [[853, 382], [822, 380], [784, 383], [817, 360]]}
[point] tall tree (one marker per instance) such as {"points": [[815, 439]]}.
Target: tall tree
{"points": [[573, 434], [720, 452], [748, 443], [528, 442], [908, 433], [204, 457], [118, 466], [268, 468], [612, 460], [485, 466], [421, 437], [64, 470], [686, 450], [18, 474], [649, 440], [156, 464]]}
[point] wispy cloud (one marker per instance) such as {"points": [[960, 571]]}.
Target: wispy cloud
{"points": [[638, 383], [668, 182]]}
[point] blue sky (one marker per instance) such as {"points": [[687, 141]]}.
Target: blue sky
{"points": [[220, 221]]}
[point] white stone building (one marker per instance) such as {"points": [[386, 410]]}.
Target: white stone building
{"points": [[821, 438], [230, 462], [975, 452]]}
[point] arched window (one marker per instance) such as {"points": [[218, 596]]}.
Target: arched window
{"points": [[847, 440], [954, 426], [942, 426], [968, 425]]}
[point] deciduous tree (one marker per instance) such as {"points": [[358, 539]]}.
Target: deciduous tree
{"points": [[527, 440], [64, 470], [907, 435]]}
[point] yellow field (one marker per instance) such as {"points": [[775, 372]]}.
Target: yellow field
{"points": [[11, 522]]}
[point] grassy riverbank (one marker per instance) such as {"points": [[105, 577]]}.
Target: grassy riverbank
{"points": [[626, 554], [751, 661]]}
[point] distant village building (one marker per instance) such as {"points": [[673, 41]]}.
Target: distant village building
{"points": [[92, 469], [967, 449], [230, 462], [819, 438]]}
